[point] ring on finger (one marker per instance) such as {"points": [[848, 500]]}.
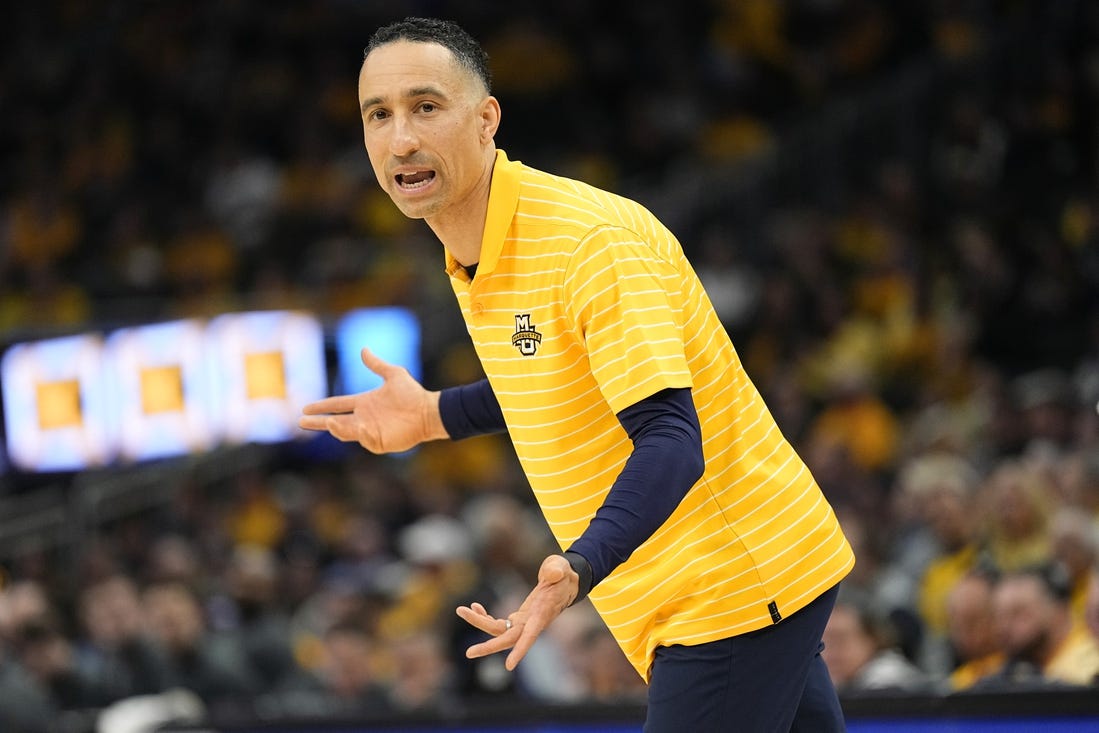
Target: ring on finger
{"points": [[508, 624]]}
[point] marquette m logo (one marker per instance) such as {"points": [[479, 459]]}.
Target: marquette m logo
{"points": [[526, 339]]}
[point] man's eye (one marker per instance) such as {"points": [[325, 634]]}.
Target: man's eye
{"points": [[378, 114], [427, 107]]}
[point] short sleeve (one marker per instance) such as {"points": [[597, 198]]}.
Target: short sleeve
{"points": [[624, 301]]}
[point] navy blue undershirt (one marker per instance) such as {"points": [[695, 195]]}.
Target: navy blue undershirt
{"points": [[665, 462]]}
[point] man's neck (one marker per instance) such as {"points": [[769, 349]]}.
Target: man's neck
{"points": [[462, 226], [465, 247]]}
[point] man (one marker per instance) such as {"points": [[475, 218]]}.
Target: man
{"points": [[705, 543], [1036, 630], [862, 656], [971, 630]]}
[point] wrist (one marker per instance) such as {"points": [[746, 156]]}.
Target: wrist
{"points": [[582, 568], [434, 428]]}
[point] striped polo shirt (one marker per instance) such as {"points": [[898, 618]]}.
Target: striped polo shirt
{"points": [[584, 304]]}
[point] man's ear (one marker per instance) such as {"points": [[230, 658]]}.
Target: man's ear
{"points": [[490, 118]]}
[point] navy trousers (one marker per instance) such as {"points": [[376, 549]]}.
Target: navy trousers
{"points": [[767, 681]]}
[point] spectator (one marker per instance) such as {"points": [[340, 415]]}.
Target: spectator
{"points": [[24, 707], [1016, 502], [259, 625], [862, 657], [1080, 481], [857, 418], [46, 654], [611, 679], [947, 491], [195, 661], [20, 603], [875, 582], [361, 548], [1045, 401], [1075, 540], [115, 650], [422, 678], [351, 673], [1036, 633], [936, 491], [338, 599], [438, 551], [256, 517], [173, 558], [1091, 607], [971, 630]]}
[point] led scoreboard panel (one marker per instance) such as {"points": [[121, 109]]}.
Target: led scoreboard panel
{"points": [[159, 383], [268, 367], [55, 409], [176, 388]]}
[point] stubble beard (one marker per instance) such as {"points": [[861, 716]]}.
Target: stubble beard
{"points": [[1033, 651]]}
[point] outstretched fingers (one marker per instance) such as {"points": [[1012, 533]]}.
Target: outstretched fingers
{"points": [[330, 405], [555, 590], [503, 630], [475, 615], [326, 414], [529, 631], [313, 422], [517, 632]]}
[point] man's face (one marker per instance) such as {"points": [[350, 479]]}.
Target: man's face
{"points": [[1024, 617], [847, 646], [428, 125], [948, 516], [970, 619]]}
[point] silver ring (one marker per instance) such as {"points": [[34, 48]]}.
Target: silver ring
{"points": [[507, 624]]}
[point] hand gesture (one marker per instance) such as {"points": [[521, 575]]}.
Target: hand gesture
{"points": [[557, 586], [398, 415]]}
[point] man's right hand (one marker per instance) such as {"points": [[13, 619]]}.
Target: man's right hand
{"points": [[398, 415]]}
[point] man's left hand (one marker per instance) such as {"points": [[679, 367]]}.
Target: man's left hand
{"points": [[557, 586]]}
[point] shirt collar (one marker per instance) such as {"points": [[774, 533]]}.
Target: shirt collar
{"points": [[503, 202]]}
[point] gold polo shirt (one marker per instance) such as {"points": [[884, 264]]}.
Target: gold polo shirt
{"points": [[583, 304]]}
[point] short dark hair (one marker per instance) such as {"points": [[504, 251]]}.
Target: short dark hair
{"points": [[446, 33]]}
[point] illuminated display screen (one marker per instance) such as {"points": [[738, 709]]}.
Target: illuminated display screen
{"points": [[269, 365], [159, 387], [161, 390], [55, 404], [393, 334]]}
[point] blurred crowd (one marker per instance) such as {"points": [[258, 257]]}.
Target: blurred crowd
{"points": [[914, 288]]}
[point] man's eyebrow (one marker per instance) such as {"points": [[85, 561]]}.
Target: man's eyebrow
{"points": [[413, 93], [425, 92], [367, 103]]}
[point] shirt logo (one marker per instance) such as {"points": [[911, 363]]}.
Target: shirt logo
{"points": [[525, 338]]}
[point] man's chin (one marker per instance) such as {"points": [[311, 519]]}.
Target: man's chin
{"points": [[415, 209]]}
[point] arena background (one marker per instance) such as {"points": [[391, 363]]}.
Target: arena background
{"points": [[893, 206]]}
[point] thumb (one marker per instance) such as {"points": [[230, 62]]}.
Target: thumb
{"points": [[371, 361], [553, 569]]}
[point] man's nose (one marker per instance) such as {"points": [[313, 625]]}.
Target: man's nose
{"points": [[404, 140]]}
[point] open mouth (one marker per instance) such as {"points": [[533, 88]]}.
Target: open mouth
{"points": [[413, 181]]}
